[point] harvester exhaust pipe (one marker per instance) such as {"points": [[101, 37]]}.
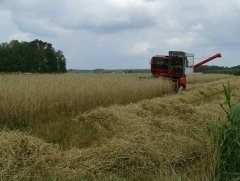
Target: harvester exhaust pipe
{"points": [[207, 60]]}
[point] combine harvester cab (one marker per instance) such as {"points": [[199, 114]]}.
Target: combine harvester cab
{"points": [[176, 66]]}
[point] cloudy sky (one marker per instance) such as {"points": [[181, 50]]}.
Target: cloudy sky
{"points": [[115, 34]]}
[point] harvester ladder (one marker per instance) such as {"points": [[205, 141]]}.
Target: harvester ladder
{"points": [[175, 84]]}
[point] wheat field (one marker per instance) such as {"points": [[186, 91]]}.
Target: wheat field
{"points": [[129, 129], [30, 96]]}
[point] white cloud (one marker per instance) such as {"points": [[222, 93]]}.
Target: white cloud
{"points": [[237, 2], [107, 16], [5, 16], [197, 27], [140, 48], [175, 42], [173, 23], [7, 26], [21, 36], [185, 41]]}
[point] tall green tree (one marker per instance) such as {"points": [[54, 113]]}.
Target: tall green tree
{"points": [[34, 56]]}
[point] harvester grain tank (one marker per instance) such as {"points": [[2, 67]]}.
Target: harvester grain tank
{"points": [[176, 66]]}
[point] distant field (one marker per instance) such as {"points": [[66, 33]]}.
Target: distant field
{"points": [[198, 77], [144, 131]]}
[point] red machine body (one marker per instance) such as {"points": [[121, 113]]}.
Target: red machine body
{"points": [[176, 66]]}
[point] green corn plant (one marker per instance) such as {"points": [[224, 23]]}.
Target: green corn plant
{"points": [[229, 159]]}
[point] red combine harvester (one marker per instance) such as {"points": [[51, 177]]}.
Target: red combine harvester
{"points": [[176, 66]]}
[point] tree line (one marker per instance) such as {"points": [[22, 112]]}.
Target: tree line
{"points": [[35, 56], [219, 70]]}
